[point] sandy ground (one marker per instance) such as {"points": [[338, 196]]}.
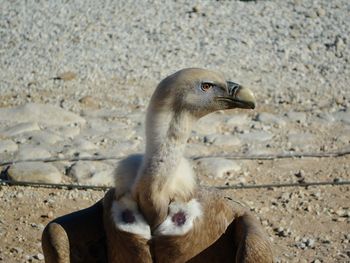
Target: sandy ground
{"points": [[95, 58], [305, 224]]}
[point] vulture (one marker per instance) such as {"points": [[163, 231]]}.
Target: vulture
{"points": [[157, 212]]}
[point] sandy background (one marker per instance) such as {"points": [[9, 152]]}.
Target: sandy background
{"points": [[100, 61]]}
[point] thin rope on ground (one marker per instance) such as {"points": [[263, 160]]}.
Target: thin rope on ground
{"points": [[195, 158], [339, 182]]}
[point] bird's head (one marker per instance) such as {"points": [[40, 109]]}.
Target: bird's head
{"points": [[200, 92]]}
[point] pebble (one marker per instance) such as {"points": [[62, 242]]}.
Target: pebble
{"points": [[16, 250], [89, 101], [34, 172], [306, 243], [50, 214], [39, 256]]}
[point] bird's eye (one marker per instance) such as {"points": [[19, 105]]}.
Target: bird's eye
{"points": [[206, 86]]}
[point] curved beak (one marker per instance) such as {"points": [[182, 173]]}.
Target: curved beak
{"points": [[240, 96]]}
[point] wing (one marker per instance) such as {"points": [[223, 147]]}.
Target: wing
{"points": [[223, 231], [77, 237], [80, 236]]}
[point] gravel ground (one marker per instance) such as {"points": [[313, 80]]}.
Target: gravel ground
{"points": [[91, 67]]}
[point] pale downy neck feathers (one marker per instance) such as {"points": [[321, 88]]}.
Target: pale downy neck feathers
{"points": [[164, 175]]}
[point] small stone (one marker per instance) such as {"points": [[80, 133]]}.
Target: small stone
{"points": [[39, 256], [89, 102], [341, 212], [320, 12], [300, 174], [310, 243], [195, 9], [50, 214], [301, 245], [19, 195], [16, 250], [313, 46], [66, 76]]}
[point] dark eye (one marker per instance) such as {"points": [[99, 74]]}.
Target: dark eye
{"points": [[206, 86]]}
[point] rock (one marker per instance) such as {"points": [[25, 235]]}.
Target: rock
{"points": [[301, 139], [222, 140], [84, 145], [40, 113], [50, 214], [320, 12], [217, 167], [270, 118], [259, 136], [16, 250], [69, 131], [44, 137], [209, 124], [8, 146], [89, 102], [26, 152], [238, 120], [37, 172], [66, 76], [296, 116], [343, 116], [20, 128], [39, 256], [310, 242], [92, 173], [325, 118]]}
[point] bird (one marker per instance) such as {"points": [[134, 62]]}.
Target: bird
{"points": [[157, 212]]}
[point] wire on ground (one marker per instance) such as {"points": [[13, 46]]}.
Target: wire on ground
{"points": [[195, 158], [226, 187]]}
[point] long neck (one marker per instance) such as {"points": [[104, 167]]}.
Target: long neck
{"points": [[166, 136], [164, 174]]}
